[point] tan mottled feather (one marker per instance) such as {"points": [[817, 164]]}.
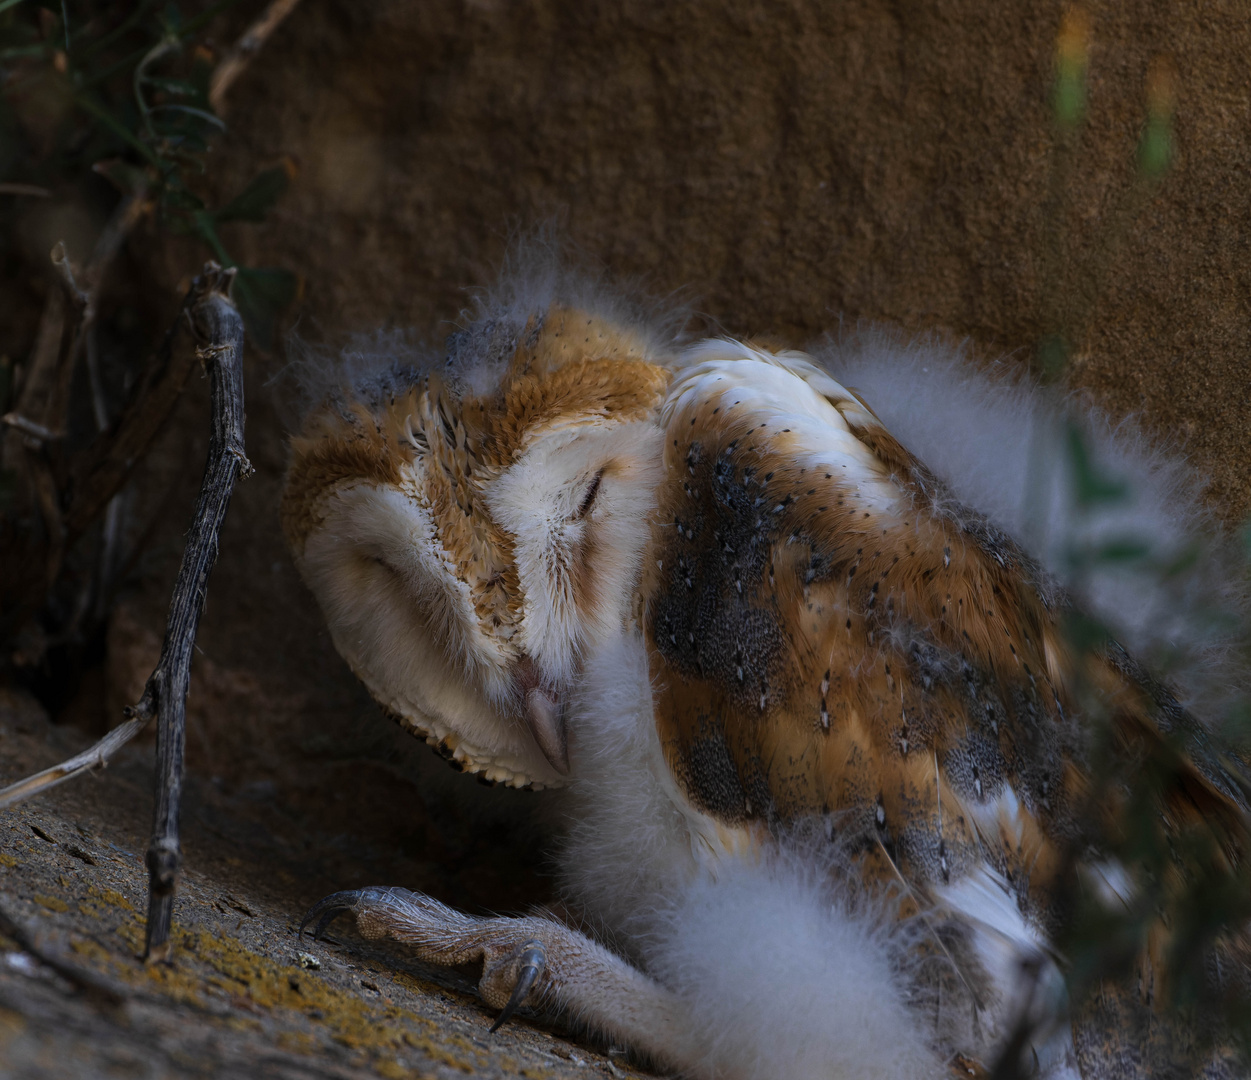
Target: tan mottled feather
{"points": [[830, 633]]}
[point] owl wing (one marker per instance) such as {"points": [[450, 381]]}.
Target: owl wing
{"points": [[830, 632]]}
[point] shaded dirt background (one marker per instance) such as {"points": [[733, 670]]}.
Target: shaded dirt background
{"points": [[789, 165]]}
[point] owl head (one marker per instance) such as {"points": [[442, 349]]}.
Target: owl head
{"points": [[470, 531]]}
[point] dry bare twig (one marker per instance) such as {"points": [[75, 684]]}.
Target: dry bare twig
{"points": [[236, 60], [218, 328], [93, 475], [95, 757], [216, 322], [31, 191]]}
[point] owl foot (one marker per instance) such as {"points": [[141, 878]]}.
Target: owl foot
{"points": [[531, 959], [514, 959]]}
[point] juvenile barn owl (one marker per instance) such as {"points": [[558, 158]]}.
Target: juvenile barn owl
{"points": [[816, 717]]}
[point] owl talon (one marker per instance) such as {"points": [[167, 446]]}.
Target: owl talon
{"points": [[329, 908], [533, 962]]}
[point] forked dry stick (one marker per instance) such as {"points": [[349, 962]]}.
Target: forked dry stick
{"points": [[218, 329]]}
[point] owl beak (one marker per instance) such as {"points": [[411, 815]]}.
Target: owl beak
{"points": [[544, 716]]}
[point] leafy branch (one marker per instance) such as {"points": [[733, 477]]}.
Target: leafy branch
{"points": [[131, 96]]}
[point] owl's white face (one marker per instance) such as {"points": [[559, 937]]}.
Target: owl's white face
{"points": [[466, 555], [575, 507]]}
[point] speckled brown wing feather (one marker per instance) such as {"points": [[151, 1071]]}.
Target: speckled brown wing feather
{"points": [[831, 633]]}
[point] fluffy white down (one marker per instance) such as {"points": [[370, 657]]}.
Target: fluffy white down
{"points": [[1002, 446], [784, 974], [785, 979], [472, 353]]}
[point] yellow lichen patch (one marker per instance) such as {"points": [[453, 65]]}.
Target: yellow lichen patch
{"points": [[52, 903], [175, 984], [111, 897], [9, 861], [93, 951], [131, 934], [257, 982], [11, 1025], [298, 1042], [393, 1070], [439, 1052], [245, 1023]]}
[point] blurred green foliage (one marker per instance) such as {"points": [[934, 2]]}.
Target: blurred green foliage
{"points": [[1191, 896], [121, 90], [1153, 807]]}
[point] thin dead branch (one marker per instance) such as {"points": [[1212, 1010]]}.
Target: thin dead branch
{"points": [[94, 758], [57, 408], [237, 59], [38, 421], [31, 191], [97, 472], [33, 393], [51, 418], [218, 328], [29, 428], [217, 324], [94, 474], [127, 215]]}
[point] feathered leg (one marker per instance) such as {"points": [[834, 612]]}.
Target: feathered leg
{"points": [[524, 960]]}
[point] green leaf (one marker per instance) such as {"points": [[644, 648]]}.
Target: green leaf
{"points": [[260, 293], [1087, 635], [181, 199], [1069, 99], [1155, 148], [21, 52], [1091, 487], [1053, 354], [1124, 550], [257, 199], [89, 105]]}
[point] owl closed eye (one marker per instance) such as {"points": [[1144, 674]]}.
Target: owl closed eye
{"points": [[466, 547]]}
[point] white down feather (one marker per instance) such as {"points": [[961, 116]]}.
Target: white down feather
{"points": [[1002, 445]]}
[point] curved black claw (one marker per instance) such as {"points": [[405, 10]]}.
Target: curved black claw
{"points": [[533, 962], [326, 910]]}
